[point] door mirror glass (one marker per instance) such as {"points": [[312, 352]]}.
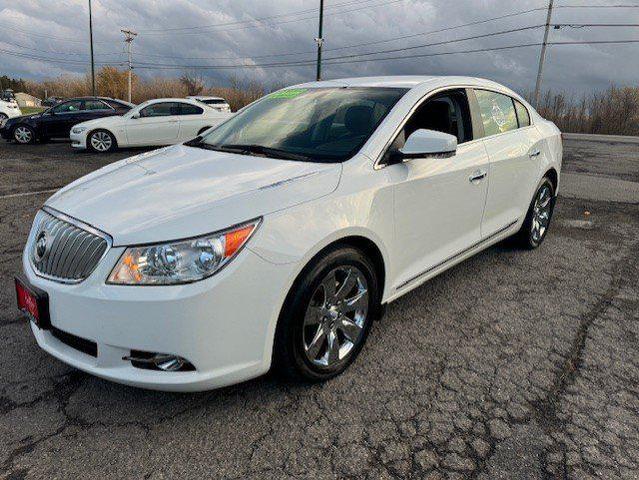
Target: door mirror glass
{"points": [[423, 143]]}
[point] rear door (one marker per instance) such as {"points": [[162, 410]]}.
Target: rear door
{"points": [[191, 121], [158, 124], [513, 148], [439, 201]]}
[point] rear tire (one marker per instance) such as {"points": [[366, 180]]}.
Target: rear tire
{"points": [[23, 134], [537, 222], [101, 141], [327, 316]]}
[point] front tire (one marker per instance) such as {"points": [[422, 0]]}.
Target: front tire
{"points": [[327, 316], [537, 222], [101, 141], [24, 134]]}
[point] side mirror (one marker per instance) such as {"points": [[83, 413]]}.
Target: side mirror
{"points": [[135, 116], [423, 143]]}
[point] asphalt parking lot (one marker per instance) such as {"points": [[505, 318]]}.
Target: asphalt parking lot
{"points": [[511, 365]]}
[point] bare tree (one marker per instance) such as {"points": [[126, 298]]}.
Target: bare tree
{"points": [[193, 82]]}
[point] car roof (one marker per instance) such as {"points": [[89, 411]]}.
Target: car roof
{"points": [[404, 81], [205, 97]]}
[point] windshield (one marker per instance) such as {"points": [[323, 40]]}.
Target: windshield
{"points": [[314, 124]]}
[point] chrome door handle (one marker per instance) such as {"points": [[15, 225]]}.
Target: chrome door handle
{"points": [[477, 176], [536, 153]]}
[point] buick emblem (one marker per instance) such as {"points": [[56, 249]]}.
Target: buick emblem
{"points": [[41, 246]]}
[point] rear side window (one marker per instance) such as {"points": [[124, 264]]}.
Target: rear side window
{"points": [[497, 112], [522, 114], [95, 105], [188, 109], [117, 105]]}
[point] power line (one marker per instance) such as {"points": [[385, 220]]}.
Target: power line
{"points": [[30, 56], [253, 20], [379, 52], [392, 39], [274, 24], [402, 57]]}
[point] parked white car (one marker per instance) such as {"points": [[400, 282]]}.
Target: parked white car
{"points": [[8, 109], [276, 238], [163, 121], [217, 103]]}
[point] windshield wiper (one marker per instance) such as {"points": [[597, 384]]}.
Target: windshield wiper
{"points": [[198, 143], [269, 152]]}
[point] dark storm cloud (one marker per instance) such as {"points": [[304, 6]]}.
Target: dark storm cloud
{"points": [[570, 68]]}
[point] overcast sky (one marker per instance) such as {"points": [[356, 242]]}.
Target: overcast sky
{"points": [[228, 35]]}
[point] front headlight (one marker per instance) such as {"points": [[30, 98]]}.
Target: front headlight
{"points": [[78, 130], [182, 261]]}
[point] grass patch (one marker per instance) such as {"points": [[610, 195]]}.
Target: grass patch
{"points": [[31, 110]]}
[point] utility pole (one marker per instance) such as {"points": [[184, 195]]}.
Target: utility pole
{"points": [[129, 35], [542, 57], [319, 40], [92, 60]]}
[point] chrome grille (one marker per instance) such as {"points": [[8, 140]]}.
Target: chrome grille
{"points": [[64, 250]]}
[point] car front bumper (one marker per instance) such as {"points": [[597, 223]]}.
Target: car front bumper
{"points": [[78, 140], [223, 325]]}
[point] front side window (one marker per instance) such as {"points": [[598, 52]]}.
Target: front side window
{"points": [[95, 105], [68, 107], [522, 114], [308, 124], [163, 109], [497, 112], [447, 113]]}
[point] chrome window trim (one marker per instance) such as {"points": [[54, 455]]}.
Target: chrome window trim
{"points": [[82, 226], [378, 165]]}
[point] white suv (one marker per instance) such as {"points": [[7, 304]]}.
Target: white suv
{"points": [[217, 103]]}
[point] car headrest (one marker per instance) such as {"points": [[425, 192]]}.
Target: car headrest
{"points": [[359, 119]]}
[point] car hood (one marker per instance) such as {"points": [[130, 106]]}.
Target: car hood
{"points": [[180, 192], [101, 122]]}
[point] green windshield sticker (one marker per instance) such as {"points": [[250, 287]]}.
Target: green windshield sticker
{"points": [[290, 93]]}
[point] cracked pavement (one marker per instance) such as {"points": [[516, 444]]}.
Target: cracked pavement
{"points": [[512, 364]]}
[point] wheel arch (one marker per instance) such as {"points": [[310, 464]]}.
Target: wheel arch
{"points": [[553, 176], [25, 124], [355, 239], [97, 129]]}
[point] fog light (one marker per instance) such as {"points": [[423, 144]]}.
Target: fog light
{"points": [[159, 361]]}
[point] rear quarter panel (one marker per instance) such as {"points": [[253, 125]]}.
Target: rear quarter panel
{"points": [[553, 147]]}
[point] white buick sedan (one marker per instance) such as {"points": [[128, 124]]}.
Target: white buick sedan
{"points": [[276, 238], [163, 121]]}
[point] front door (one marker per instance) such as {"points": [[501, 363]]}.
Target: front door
{"points": [[63, 117], [158, 124], [439, 202]]}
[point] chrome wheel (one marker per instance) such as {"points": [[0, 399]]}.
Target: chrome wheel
{"points": [[336, 317], [23, 135], [101, 141], [541, 213]]}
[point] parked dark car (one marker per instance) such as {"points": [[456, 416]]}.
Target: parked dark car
{"points": [[51, 101], [57, 121]]}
